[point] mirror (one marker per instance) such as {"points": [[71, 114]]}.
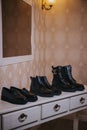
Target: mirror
{"points": [[16, 31]]}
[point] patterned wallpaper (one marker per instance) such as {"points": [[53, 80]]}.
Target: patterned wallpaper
{"points": [[66, 37], [60, 38]]}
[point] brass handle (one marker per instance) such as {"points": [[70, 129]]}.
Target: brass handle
{"points": [[82, 100], [56, 107], [22, 117]]}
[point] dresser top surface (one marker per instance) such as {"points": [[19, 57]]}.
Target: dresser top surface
{"points": [[8, 107]]}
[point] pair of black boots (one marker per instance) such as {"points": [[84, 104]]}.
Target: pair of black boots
{"points": [[63, 79], [41, 87]]}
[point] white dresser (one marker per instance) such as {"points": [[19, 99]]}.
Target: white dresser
{"points": [[20, 117]]}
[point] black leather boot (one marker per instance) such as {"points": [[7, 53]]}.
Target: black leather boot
{"points": [[60, 82], [67, 75], [38, 88], [54, 89]]}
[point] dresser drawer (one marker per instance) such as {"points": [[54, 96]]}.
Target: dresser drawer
{"points": [[19, 118], [78, 101], [54, 108]]}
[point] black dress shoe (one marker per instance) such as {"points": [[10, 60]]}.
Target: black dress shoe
{"points": [[38, 88], [13, 97], [67, 74], [31, 97], [59, 81], [55, 89]]}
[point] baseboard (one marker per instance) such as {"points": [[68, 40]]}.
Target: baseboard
{"points": [[82, 118], [70, 117], [35, 127]]}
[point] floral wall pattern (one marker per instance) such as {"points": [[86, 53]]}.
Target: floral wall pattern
{"points": [[60, 38]]}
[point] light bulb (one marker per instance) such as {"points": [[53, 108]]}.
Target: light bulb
{"points": [[50, 1]]}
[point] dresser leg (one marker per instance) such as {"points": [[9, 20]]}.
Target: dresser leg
{"points": [[75, 124]]}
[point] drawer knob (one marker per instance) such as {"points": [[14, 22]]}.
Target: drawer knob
{"points": [[82, 100], [22, 117], [56, 107]]}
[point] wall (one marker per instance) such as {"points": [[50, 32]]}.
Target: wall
{"points": [[19, 74], [60, 37], [66, 37]]}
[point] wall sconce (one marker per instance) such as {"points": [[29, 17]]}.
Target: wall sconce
{"points": [[47, 4]]}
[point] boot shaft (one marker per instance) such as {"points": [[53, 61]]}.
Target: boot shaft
{"points": [[57, 75], [67, 74]]}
